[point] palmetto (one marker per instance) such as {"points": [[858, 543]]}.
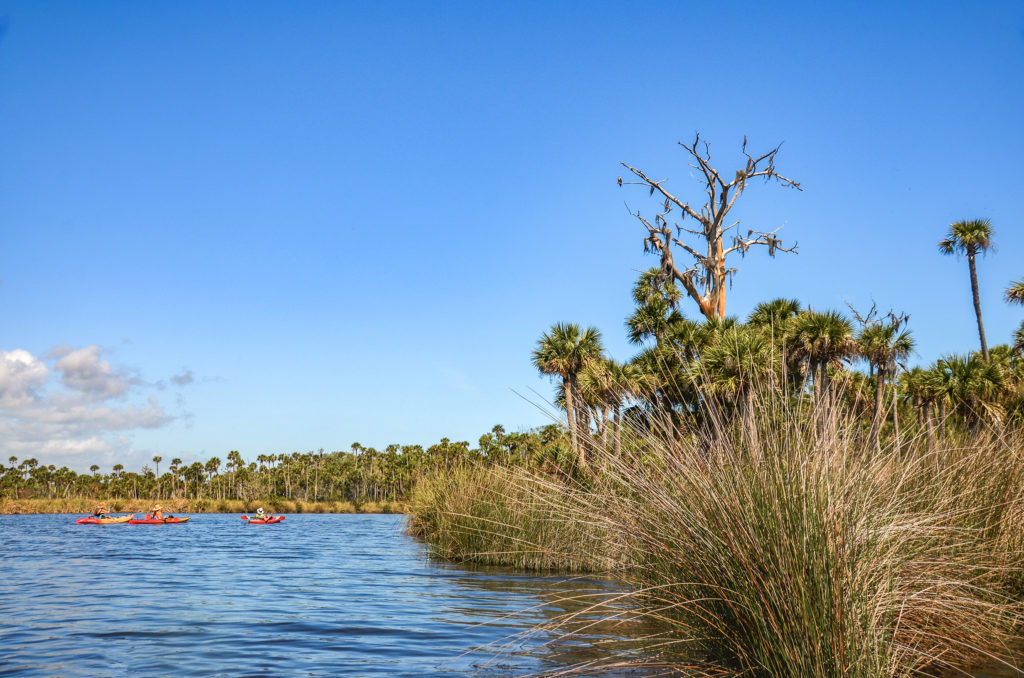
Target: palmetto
{"points": [[1015, 295], [653, 319], [821, 339], [885, 347], [774, 314], [657, 301], [1015, 292], [971, 238], [737, 362], [972, 386], [564, 351]]}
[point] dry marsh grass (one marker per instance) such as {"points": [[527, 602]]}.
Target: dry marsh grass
{"points": [[509, 517], [783, 543]]}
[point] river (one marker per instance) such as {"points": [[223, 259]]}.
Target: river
{"points": [[317, 595]]}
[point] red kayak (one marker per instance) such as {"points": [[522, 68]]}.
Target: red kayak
{"points": [[275, 519], [93, 520], [158, 521]]}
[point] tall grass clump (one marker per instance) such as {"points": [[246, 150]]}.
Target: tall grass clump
{"points": [[493, 515], [779, 542], [793, 548]]}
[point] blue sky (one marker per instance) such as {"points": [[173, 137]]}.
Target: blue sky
{"points": [[278, 227]]}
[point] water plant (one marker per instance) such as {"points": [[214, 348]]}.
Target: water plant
{"points": [[786, 548]]}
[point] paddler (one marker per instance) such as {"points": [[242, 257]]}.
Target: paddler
{"points": [[101, 511], [260, 515], [157, 512]]}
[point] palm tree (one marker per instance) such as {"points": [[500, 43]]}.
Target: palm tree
{"points": [[686, 339], [631, 381], [739, 360], [211, 467], [774, 314], [598, 392], [1015, 295], [653, 319], [564, 351], [886, 347], [654, 284], [971, 238], [821, 340], [156, 460], [972, 387], [1015, 292], [924, 388], [774, 318], [657, 301], [175, 463]]}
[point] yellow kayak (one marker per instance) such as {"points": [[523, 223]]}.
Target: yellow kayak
{"points": [[93, 520]]}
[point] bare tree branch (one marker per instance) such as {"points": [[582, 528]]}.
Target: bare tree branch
{"points": [[705, 281]]}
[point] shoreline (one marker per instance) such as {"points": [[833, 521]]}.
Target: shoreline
{"points": [[82, 505]]}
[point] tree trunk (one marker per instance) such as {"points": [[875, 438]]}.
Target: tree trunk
{"points": [[746, 402], [718, 290], [930, 427], [824, 397], [876, 421], [977, 303], [567, 386], [618, 431], [896, 413], [584, 439], [942, 420]]}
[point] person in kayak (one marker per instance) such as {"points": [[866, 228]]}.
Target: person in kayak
{"points": [[260, 515], [157, 512], [101, 511]]}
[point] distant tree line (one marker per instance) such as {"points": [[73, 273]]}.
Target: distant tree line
{"points": [[361, 474]]}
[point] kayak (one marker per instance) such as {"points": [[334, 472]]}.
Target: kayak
{"points": [[158, 521], [275, 519], [93, 520]]}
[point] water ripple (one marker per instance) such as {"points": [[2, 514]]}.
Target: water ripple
{"points": [[319, 595]]}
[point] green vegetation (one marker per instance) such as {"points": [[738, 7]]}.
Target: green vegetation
{"points": [[470, 514], [360, 479], [767, 532], [782, 496], [204, 505], [971, 238]]}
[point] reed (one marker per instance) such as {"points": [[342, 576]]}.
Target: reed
{"points": [[781, 543], [508, 517]]}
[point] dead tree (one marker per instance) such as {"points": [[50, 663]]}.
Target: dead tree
{"points": [[704, 280]]}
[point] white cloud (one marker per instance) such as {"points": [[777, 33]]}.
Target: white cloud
{"points": [[81, 411], [83, 370], [21, 375]]}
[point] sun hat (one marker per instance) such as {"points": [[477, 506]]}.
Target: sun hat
{"points": [[158, 507], [259, 510]]}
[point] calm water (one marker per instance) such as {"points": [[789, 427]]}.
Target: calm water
{"points": [[318, 595]]}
